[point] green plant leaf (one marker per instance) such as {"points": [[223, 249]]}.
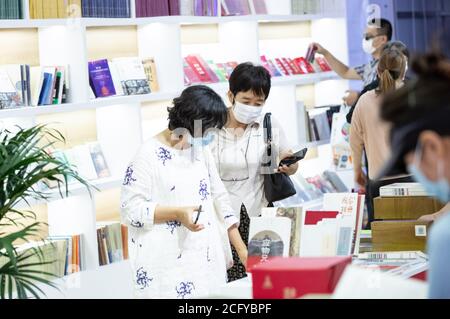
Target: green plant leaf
{"points": [[25, 165]]}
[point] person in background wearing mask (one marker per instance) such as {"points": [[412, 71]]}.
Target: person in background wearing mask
{"points": [[420, 136], [169, 198], [369, 133], [239, 148], [373, 42], [400, 46]]}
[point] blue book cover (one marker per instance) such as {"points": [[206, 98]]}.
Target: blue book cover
{"points": [[45, 81], [85, 8], [48, 91], [101, 79]]}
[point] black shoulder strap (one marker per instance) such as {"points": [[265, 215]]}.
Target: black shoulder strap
{"points": [[268, 128], [268, 139]]}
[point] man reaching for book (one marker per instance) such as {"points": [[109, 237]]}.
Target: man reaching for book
{"points": [[375, 38]]}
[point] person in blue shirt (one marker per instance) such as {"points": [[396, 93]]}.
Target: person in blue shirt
{"points": [[420, 140]]}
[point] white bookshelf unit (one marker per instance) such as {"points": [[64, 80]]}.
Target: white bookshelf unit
{"points": [[122, 123]]}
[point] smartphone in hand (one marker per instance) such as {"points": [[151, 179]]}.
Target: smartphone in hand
{"points": [[288, 161]]}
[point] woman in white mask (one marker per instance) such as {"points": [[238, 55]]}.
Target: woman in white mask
{"points": [[420, 114], [239, 148]]}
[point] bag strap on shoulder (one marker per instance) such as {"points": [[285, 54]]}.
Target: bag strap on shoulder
{"points": [[268, 128]]}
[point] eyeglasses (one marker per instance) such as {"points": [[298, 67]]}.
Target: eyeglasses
{"points": [[237, 156], [368, 37]]}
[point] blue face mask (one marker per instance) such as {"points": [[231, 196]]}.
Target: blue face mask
{"points": [[201, 141], [439, 189]]}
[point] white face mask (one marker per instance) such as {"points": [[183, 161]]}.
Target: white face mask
{"points": [[368, 46], [246, 114]]}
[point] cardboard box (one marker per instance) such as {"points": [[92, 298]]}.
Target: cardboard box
{"points": [[399, 236], [290, 278], [405, 208]]}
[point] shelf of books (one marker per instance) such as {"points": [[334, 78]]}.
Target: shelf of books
{"points": [[98, 22], [106, 83]]}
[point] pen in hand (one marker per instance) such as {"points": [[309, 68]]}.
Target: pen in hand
{"points": [[198, 214]]}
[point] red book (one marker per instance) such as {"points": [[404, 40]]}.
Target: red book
{"points": [[294, 67], [304, 65], [124, 232], [231, 66], [213, 76], [190, 77], [198, 69], [266, 65], [281, 67], [313, 217], [323, 64], [288, 66], [290, 278], [421, 276]]}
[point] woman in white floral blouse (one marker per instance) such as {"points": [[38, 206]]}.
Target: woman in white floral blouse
{"points": [[175, 253]]}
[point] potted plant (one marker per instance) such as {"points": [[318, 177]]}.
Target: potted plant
{"points": [[25, 164]]}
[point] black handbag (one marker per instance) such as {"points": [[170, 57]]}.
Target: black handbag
{"points": [[277, 186]]}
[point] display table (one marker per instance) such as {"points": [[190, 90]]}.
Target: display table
{"points": [[239, 289]]}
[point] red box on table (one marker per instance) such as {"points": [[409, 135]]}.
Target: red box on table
{"points": [[289, 278]]}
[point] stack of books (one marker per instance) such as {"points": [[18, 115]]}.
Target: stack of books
{"points": [[294, 66], [318, 122], [58, 256], [122, 76], [22, 85], [312, 188], [365, 241], [11, 9], [106, 8], [199, 71], [316, 6], [87, 160], [112, 240], [396, 211], [56, 9], [63, 9], [243, 7], [155, 8], [306, 6], [406, 264], [335, 229], [294, 231]]}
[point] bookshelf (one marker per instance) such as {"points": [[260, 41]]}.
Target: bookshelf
{"points": [[120, 124]]}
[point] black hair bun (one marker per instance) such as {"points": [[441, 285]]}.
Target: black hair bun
{"points": [[432, 65]]}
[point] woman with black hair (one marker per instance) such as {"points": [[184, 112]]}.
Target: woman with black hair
{"points": [[177, 207], [239, 149]]}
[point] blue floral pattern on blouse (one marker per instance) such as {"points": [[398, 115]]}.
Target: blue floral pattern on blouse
{"points": [[142, 278], [172, 225], [163, 155], [129, 177], [203, 191], [184, 289], [136, 224]]}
